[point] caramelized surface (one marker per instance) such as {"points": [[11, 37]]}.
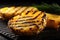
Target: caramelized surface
{"points": [[53, 21], [28, 24]]}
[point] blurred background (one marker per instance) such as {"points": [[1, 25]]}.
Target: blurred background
{"points": [[29, 1]]}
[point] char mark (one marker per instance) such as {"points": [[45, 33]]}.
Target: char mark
{"points": [[27, 12], [36, 16], [34, 12], [23, 11]]}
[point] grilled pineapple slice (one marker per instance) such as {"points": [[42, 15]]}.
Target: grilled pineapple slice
{"points": [[28, 24], [8, 12]]}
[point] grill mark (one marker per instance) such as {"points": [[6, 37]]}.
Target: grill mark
{"points": [[42, 21], [24, 17], [36, 16], [32, 24], [27, 16], [37, 20], [31, 12], [26, 10], [30, 28], [21, 11], [19, 20], [15, 11], [18, 9], [18, 26], [28, 22], [39, 24], [44, 15], [34, 12], [35, 25]]}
